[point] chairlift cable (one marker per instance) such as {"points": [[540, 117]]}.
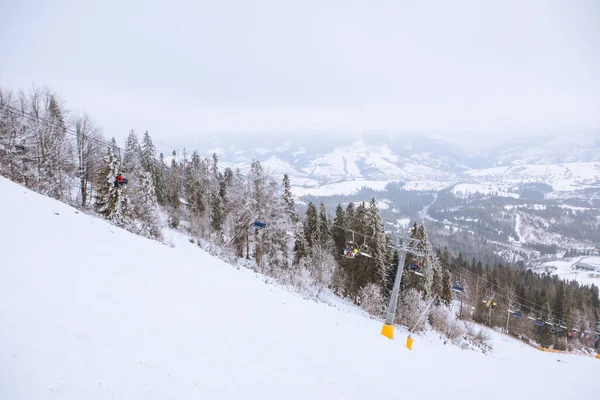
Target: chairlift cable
{"points": [[71, 131]]}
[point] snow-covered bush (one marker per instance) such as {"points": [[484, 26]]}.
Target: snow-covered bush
{"points": [[410, 308], [561, 344], [479, 338], [372, 300], [454, 329], [442, 320], [437, 318]]}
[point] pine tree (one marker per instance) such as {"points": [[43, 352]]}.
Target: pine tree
{"points": [[132, 159], [174, 183], [392, 272], [324, 233], [112, 202], [218, 207], [147, 208], [446, 288], [288, 200], [115, 148], [311, 226], [542, 333], [274, 245], [150, 164], [300, 249], [337, 231], [378, 243]]}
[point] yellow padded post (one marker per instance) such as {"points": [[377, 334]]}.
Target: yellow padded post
{"points": [[409, 342], [388, 331]]}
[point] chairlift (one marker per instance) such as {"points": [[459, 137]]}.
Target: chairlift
{"points": [[352, 249], [458, 288], [19, 148], [517, 314], [556, 328], [490, 303], [120, 180], [416, 269], [258, 225]]}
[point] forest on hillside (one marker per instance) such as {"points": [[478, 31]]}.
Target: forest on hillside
{"points": [[65, 156]]}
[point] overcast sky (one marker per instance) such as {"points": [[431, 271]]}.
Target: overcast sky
{"points": [[463, 69]]}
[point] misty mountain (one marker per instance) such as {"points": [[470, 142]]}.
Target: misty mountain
{"points": [[332, 157], [551, 149]]}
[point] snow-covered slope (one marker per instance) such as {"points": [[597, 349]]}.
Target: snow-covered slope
{"points": [[89, 311], [568, 147], [562, 177], [565, 269]]}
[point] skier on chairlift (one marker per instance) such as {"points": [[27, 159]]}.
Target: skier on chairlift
{"points": [[351, 251], [120, 180], [415, 267]]}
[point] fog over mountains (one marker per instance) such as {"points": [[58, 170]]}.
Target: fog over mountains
{"points": [[332, 157]]}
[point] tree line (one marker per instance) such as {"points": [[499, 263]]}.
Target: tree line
{"points": [[66, 157]]}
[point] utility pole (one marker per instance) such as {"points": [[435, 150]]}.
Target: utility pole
{"points": [[388, 326]]}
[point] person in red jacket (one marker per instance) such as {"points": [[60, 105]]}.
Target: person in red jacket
{"points": [[120, 180]]}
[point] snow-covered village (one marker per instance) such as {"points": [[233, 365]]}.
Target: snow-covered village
{"points": [[317, 200]]}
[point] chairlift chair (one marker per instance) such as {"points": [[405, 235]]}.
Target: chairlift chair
{"points": [[556, 328], [352, 249], [490, 303], [258, 225], [415, 269], [517, 314], [458, 288]]}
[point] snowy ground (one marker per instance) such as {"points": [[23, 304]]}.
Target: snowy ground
{"points": [[90, 311], [465, 189], [343, 188], [562, 177]]}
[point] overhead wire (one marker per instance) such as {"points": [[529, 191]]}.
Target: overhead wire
{"points": [[69, 130], [508, 291], [521, 300]]}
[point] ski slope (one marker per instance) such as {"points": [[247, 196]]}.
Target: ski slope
{"points": [[89, 311], [565, 269]]}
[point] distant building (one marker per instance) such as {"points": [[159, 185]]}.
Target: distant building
{"points": [[583, 266]]}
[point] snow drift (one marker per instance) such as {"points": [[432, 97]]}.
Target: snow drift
{"points": [[90, 311]]}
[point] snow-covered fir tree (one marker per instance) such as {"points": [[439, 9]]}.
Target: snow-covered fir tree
{"points": [[112, 201], [147, 208], [174, 183], [150, 164]]}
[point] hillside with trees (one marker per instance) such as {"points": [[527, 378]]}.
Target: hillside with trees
{"points": [[64, 156]]}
